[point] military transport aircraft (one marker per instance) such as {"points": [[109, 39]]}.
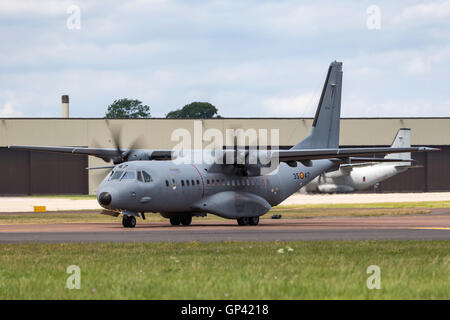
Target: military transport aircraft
{"points": [[144, 180], [360, 176]]}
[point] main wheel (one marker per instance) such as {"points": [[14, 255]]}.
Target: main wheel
{"points": [[244, 221], [186, 220], [131, 222], [254, 221], [128, 221], [175, 221], [125, 221]]}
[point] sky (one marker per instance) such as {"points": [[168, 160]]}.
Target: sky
{"points": [[250, 58]]}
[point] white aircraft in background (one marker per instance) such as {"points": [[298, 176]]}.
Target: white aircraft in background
{"points": [[360, 176]]}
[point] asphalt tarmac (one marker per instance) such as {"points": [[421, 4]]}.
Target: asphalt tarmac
{"points": [[434, 226]]}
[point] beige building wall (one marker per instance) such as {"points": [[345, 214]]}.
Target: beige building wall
{"points": [[156, 133]]}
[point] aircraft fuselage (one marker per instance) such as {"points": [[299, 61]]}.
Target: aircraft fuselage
{"points": [[168, 187]]}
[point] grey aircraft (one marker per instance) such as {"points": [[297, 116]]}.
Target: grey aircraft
{"points": [[153, 181], [350, 177]]}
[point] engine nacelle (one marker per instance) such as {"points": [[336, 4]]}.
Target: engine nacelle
{"points": [[138, 155]]}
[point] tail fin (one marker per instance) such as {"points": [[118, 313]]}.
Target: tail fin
{"points": [[325, 130], [402, 140]]}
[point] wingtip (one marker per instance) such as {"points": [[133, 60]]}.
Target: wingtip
{"points": [[431, 149]]}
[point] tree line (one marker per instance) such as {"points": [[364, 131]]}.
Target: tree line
{"points": [[129, 108]]}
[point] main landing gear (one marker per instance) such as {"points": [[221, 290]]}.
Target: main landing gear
{"points": [[183, 220], [128, 221], [248, 221]]}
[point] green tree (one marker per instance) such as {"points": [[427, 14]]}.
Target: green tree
{"points": [[195, 110], [127, 108]]}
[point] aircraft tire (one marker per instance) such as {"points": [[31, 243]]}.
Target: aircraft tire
{"points": [[253, 221], [186, 220], [128, 221], [244, 221], [175, 221], [131, 222], [125, 221]]}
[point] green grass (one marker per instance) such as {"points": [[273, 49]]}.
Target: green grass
{"points": [[58, 217], [227, 270]]}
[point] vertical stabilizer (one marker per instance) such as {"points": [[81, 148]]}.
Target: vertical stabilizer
{"points": [[402, 140], [325, 130]]}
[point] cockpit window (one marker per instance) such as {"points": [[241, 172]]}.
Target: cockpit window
{"points": [[139, 176], [116, 175], [129, 175], [147, 177]]}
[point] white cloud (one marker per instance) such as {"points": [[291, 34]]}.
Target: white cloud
{"points": [[424, 13], [294, 106], [7, 111], [249, 58], [41, 7]]}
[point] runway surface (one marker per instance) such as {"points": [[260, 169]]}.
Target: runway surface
{"points": [[434, 226]]}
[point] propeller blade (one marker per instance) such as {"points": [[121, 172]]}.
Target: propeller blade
{"points": [[116, 131], [138, 143]]}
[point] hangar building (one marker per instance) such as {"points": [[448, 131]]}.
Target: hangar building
{"points": [[24, 172]]}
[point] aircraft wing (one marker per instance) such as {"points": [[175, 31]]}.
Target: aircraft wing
{"points": [[106, 154], [97, 152], [314, 154], [364, 160], [358, 162]]}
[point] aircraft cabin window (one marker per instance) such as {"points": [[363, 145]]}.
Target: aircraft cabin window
{"points": [[198, 181], [192, 182], [139, 176], [207, 181], [182, 183], [167, 183], [147, 177], [116, 175], [129, 175], [187, 183]]}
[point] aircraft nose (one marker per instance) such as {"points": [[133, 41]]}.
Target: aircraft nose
{"points": [[104, 198]]}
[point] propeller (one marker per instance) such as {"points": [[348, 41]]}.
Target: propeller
{"points": [[123, 155]]}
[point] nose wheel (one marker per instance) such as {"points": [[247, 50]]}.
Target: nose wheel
{"points": [[128, 221]]}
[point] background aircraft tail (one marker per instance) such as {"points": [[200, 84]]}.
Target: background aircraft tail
{"points": [[325, 129], [402, 140]]}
